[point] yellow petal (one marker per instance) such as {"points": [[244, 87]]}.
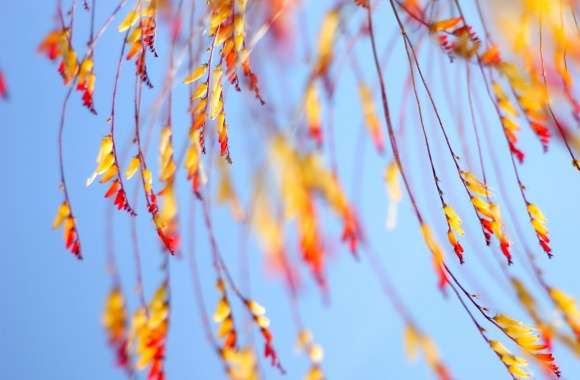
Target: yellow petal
{"points": [[316, 353], [474, 184], [411, 340], [200, 91], [62, 213], [314, 373], [453, 218], [222, 311], [129, 20], [225, 327], [133, 167], [536, 213], [441, 25], [196, 74], [518, 372], [215, 104], [109, 174], [147, 178], [262, 321], [326, 38], [304, 338], [256, 308], [105, 148], [105, 164]]}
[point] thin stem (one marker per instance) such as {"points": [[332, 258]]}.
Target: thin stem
{"points": [[139, 286], [575, 162], [112, 119], [218, 261], [61, 160], [435, 110], [426, 140], [196, 281], [104, 26], [474, 124], [112, 267], [479, 327], [387, 115], [92, 27]]}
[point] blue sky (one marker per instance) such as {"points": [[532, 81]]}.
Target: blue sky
{"points": [[51, 304]]}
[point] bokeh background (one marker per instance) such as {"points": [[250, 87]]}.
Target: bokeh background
{"points": [[50, 304]]}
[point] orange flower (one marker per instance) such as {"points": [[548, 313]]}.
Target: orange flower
{"points": [[86, 83], [525, 337], [55, 44], [65, 218], [258, 314], [538, 221], [437, 255], [371, 119], [149, 334], [312, 110], [115, 322], [223, 315], [108, 171], [416, 342]]}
